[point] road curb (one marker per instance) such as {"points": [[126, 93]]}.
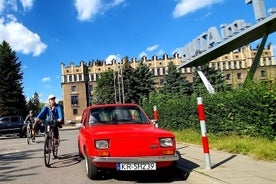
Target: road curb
{"points": [[197, 177]]}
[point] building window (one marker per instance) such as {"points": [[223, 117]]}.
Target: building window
{"points": [[263, 73], [223, 66], [269, 61], [152, 71], [73, 88], [158, 71], [65, 78], [228, 76], [75, 111], [75, 78], [70, 78], [240, 63], [90, 88], [92, 77], [74, 100], [164, 71], [239, 75], [80, 77]]}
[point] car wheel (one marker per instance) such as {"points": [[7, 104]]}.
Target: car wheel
{"points": [[22, 134], [91, 169]]}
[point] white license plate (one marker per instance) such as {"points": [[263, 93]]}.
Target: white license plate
{"points": [[136, 166]]}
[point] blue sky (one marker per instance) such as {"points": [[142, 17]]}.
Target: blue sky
{"points": [[46, 33]]}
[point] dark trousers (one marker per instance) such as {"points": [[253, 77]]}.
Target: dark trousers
{"points": [[55, 129]]}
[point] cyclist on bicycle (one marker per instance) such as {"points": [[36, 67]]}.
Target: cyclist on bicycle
{"points": [[52, 110], [30, 119]]}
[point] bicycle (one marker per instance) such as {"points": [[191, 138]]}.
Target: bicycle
{"points": [[29, 132], [49, 145]]}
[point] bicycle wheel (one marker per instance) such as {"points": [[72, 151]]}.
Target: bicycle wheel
{"points": [[55, 149], [47, 151], [28, 134]]}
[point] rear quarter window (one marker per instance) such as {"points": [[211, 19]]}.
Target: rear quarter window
{"points": [[14, 119]]}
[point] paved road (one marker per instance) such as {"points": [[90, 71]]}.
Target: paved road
{"points": [[21, 163]]}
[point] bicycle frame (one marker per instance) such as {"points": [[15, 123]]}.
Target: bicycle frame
{"points": [[49, 145]]}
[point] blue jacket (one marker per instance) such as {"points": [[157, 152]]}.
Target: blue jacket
{"points": [[57, 113]]}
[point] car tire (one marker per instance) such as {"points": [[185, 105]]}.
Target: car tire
{"points": [[91, 169], [22, 134]]}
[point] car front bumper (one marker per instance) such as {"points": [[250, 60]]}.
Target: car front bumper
{"points": [[164, 158]]}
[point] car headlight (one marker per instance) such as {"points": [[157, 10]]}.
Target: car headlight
{"points": [[166, 142], [101, 144]]}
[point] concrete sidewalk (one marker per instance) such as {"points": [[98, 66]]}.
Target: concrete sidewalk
{"points": [[226, 167]]}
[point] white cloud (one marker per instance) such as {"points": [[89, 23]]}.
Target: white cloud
{"points": [[152, 48], [109, 59], [20, 37], [142, 54], [160, 52], [184, 7], [88, 9], [46, 79], [11, 5], [27, 4]]}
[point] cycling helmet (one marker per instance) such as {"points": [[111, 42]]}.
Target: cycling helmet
{"points": [[51, 97]]}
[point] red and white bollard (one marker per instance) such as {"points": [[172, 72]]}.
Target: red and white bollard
{"points": [[155, 113], [155, 116], [201, 116]]}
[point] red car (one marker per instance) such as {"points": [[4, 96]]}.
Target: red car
{"points": [[123, 138]]}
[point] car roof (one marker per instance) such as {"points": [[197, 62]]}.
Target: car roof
{"points": [[112, 105]]}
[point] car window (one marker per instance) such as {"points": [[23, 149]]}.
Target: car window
{"points": [[94, 117], [14, 119], [5, 119], [117, 114]]}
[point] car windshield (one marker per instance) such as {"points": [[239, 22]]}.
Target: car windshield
{"points": [[117, 115]]}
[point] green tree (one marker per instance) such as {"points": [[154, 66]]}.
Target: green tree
{"points": [[129, 83], [137, 84], [175, 83], [104, 92], [34, 104], [143, 83], [12, 100]]}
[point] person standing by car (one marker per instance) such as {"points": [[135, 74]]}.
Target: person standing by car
{"points": [[53, 112]]}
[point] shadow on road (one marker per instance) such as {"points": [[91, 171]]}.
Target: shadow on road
{"points": [[65, 160], [8, 169]]}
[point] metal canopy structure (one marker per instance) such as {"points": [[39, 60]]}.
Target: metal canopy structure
{"points": [[255, 32]]}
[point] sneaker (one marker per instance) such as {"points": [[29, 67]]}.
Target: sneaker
{"points": [[33, 139]]}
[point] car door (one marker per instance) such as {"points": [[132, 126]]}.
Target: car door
{"points": [[5, 124], [82, 130], [16, 123]]}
